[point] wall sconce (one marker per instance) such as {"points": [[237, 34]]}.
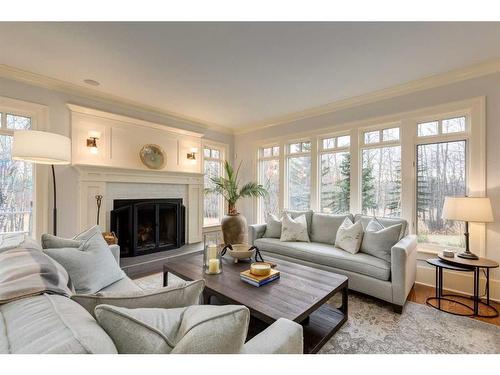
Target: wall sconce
{"points": [[92, 141], [192, 155]]}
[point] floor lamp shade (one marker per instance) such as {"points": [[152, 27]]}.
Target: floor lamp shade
{"points": [[41, 147]]}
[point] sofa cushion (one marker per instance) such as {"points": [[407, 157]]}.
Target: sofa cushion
{"points": [[273, 227], [194, 329], [294, 229], [324, 227], [328, 255], [385, 221], [122, 286], [50, 324], [378, 240], [91, 266], [181, 295]]}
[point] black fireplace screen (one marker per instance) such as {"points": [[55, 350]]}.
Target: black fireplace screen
{"points": [[146, 226]]}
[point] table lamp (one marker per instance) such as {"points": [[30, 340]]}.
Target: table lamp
{"points": [[43, 148], [474, 209]]}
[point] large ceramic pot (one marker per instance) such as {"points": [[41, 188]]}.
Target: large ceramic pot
{"points": [[234, 228]]}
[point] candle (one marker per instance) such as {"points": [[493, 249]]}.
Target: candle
{"points": [[213, 266], [212, 251]]}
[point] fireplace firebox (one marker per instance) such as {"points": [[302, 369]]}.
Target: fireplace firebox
{"points": [[145, 226]]}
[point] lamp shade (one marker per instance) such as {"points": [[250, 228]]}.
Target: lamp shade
{"points": [[41, 147], [473, 209]]}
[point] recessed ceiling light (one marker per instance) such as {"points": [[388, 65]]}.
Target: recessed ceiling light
{"points": [[91, 82]]}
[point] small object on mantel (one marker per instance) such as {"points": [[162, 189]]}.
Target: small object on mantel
{"points": [[449, 253]]}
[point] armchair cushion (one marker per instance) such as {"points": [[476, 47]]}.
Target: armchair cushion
{"points": [[190, 330], [182, 295]]}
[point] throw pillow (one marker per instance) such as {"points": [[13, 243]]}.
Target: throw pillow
{"points": [[91, 267], [294, 229], [349, 236], [273, 227], [378, 240], [189, 330], [309, 214], [50, 241], [181, 295]]}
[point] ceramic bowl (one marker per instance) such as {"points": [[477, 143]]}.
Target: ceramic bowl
{"points": [[240, 251]]}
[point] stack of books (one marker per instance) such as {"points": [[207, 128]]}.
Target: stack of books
{"points": [[257, 281]]}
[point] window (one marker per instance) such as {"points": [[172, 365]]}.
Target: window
{"points": [[299, 176], [441, 172], [381, 174], [445, 126], [269, 177], [213, 165], [335, 173], [16, 179]]}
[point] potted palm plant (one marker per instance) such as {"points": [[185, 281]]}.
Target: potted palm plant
{"points": [[234, 224]]}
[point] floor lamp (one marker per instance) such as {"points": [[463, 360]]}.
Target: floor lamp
{"points": [[43, 148]]}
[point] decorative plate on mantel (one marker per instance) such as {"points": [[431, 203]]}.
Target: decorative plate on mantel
{"points": [[152, 156]]}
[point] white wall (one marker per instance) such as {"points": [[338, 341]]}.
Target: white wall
{"points": [[488, 86], [59, 122]]}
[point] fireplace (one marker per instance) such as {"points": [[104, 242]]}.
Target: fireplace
{"points": [[145, 226]]}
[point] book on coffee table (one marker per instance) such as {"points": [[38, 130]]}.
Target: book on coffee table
{"points": [[257, 281]]}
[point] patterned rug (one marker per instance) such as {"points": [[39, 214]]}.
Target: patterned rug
{"points": [[373, 327]]}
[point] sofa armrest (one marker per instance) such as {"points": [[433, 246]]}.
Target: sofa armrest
{"points": [[255, 231], [403, 268], [115, 250], [282, 337]]}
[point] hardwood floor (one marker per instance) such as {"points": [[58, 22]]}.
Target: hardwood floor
{"points": [[419, 294]]}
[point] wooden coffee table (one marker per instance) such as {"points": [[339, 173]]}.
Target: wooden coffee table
{"points": [[300, 295]]}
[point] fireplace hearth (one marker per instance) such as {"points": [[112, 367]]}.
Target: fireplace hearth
{"points": [[145, 226]]}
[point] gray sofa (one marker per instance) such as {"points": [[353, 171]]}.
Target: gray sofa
{"points": [[389, 281], [50, 323]]}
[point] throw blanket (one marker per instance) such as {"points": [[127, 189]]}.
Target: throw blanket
{"points": [[28, 272]]}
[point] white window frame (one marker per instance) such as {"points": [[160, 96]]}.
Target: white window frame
{"points": [[475, 110], [260, 158], [366, 146], [39, 120], [222, 148], [287, 155], [321, 151]]}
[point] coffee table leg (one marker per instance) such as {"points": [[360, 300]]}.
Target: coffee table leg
{"points": [[345, 301], [488, 286], [165, 278]]}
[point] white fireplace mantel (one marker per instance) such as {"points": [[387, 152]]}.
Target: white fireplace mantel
{"points": [[94, 180]]}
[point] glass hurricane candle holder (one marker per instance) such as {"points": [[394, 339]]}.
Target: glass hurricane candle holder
{"points": [[212, 259]]}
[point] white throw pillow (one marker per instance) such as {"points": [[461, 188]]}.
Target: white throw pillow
{"points": [[294, 229], [349, 236]]}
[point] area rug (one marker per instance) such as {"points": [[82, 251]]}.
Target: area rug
{"points": [[373, 328]]}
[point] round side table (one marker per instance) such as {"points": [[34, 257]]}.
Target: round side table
{"points": [[463, 265]]}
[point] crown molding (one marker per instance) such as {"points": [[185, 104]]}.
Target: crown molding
{"points": [[437, 80], [35, 79]]}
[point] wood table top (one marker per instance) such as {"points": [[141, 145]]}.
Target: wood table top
{"points": [[481, 262], [299, 291]]}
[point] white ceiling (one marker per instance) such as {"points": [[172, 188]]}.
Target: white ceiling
{"points": [[239, 74]]}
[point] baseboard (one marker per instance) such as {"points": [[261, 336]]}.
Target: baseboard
{"points": [[457, 282]]}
